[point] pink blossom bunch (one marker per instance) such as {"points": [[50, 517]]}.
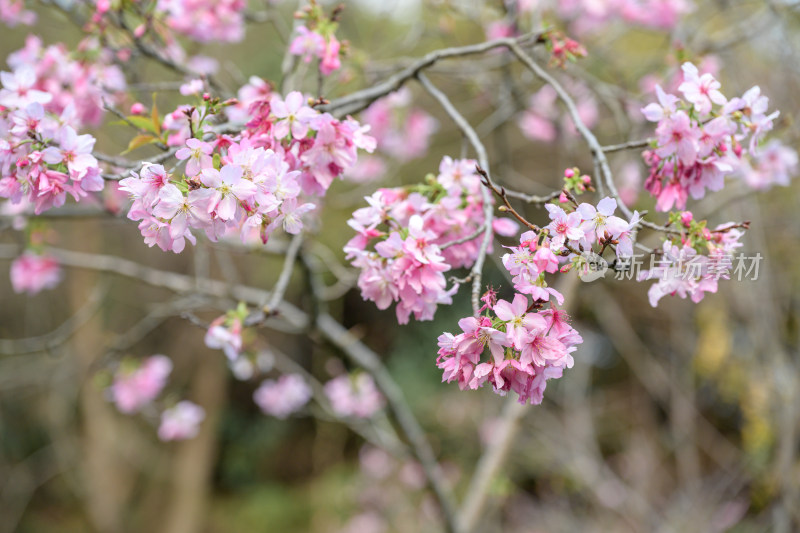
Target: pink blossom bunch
{"points": [[315, 144], [692, 262], [573, 228], [283, 397], [225, 334], [206, 20], [13, 12], [354, 395], [527, 346], [590, 15], [32, 272], [773, 164], [542, 121], [397, 246], [401, 131], [288, 152], [181, 421], [310, 43], [256, 89], [78, 82], [42, 158], [703, 137], [133, 388]]}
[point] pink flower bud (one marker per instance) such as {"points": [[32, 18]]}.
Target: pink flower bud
{"points": [[137, 108], [686, 218], [139, 31], [586, 179], [563, 198], [206, 97], [569, 173]]}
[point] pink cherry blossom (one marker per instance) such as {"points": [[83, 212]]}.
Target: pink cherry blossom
{"points": [[33, 273], [226, 338], [283, 397], [308, 44], [701, 90], [132, 389], [198, 154], [293, 115], [181, 422], [354, 396]]}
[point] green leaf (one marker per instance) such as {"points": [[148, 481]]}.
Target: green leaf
{"points": [[144, 123], [154, 116], [139, 141]]}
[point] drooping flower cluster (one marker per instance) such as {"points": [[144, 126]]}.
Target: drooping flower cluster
{"points": [[283, 397], [400, 237], [206, 20], [248, 185], [526, 347], [32, 273], [704, 137], [137, 386], [79, 83], [354, 395]]}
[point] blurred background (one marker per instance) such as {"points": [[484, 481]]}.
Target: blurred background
{"points": [[679, 418]]}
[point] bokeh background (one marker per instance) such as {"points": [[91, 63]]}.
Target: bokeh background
{"points": [[679, 418]]}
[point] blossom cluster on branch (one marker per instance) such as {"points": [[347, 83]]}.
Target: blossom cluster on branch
{"points": [[248, 184], [409, 237], [704, 137]]}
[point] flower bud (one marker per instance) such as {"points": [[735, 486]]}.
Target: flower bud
{"points": [[686, 218], [137, 108]]}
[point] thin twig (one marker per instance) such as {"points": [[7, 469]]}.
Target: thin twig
{"points": [[359, 100], [483, 159]]}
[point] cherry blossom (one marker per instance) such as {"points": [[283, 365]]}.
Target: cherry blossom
{"points": [[283, 397], [133, 388], [354, 395], [181, 421], [33, 273]]}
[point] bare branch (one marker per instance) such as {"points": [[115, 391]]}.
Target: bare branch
{"points": [[483, 159]]}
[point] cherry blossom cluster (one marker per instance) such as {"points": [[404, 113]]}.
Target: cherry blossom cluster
{"points": [[703, 137], [401, 237], [354, 395], [13, 12], [135, 386], [573, 228], [225, 333], [692, 263], [526, 346], [282, 397], [316, 39], [32, 272], [42, 158], [78, 82], [250, 184], [586, 16], [206, 20]]}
